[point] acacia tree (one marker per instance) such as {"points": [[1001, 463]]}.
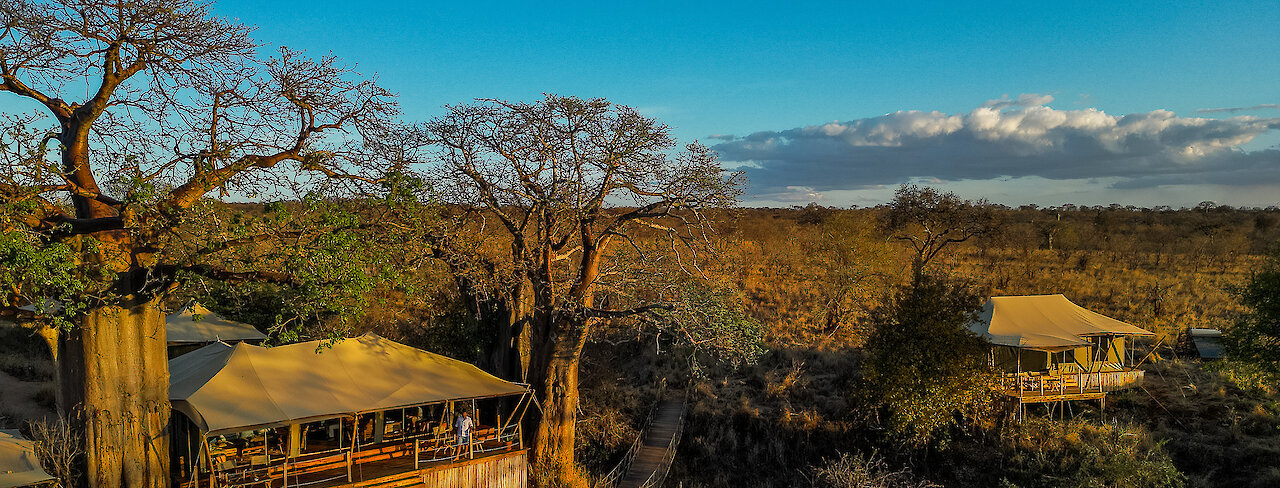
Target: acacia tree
{"points": [[929, 220], [107, 210], [565, 184]]}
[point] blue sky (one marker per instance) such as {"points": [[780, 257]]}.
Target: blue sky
{"points": [[719, 72]]}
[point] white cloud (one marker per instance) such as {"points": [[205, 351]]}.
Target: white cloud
{"points": [[1008, 137], [792, 194], [1023, 100]]}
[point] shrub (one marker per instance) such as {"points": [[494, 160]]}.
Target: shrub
{"points": [[926, 368], [1079, 453], [59, 448], [865, 471]]}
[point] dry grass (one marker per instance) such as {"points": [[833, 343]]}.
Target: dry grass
{"points": [[1219, 422], [1164, 271]]}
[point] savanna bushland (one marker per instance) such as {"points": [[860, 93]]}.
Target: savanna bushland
{"points": [[574, 244], [806, 289]]}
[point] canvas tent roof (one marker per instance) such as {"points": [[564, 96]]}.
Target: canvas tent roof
{"points": [[1045, 322], [224, 388], [195, 324], [19, 465]]}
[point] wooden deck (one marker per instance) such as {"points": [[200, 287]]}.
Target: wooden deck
{"points": [[494, 464], [1049, 387]]}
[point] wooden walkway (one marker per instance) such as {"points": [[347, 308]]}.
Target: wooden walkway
{"points": [[658, 448]]}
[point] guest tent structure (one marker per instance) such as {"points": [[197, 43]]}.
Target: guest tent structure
{"points": [[194, 326], [1055, 348], [19, 465], [226, 388], [359, 390]]}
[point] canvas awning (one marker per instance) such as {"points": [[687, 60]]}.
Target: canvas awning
{"points": [[1045, 322], [195, 324], [225, 388], [19, 465]]}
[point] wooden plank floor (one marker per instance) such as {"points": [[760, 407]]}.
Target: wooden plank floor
{"points": [[654, 448]]}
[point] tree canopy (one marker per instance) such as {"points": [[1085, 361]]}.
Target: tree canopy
{"points": [[1255, 336], [926, 367], [144, 108], [574, 201]]}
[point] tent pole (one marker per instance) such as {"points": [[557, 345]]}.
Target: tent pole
{"points": [[213, 483], [1017, 378]]}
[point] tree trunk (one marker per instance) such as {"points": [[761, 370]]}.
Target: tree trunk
{"points": [[554, 373], [115, 391], [502, 318], [553, 444], [510, 353]]}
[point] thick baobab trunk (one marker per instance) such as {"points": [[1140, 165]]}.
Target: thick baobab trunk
{"points": [[557, 349], [115, 391], [553, 444]]}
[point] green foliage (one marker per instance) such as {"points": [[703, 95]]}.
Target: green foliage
{"points": [[46, 275], [926, 369], [713, 320], [1255, 337], [329, 262]]}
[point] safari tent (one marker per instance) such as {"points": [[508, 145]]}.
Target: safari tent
{"points": [[319, 413], [19, 465], [1049, 343], [195, 326]]}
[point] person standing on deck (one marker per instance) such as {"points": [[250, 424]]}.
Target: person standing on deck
{"points": [[462, 426]]}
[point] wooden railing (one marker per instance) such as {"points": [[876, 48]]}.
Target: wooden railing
{"points": [[425, 449], [615, 475], [660, 475], [446, 447], [1067, 383]]}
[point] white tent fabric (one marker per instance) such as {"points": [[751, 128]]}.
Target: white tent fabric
{"points": [[225, 388], [1045, 322], [19, 465], [195, 324]]}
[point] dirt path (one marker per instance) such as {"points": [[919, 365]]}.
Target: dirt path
{"points": [[17, 401]]}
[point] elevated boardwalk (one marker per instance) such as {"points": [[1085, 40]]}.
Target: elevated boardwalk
{"points": [[653, 459], [647, 461]]}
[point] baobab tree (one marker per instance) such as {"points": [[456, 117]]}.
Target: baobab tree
{"points": [[565, 187], [151, 106]]}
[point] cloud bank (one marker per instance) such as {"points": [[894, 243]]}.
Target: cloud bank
{"points": [[1239, 109], [1007, 137]]}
